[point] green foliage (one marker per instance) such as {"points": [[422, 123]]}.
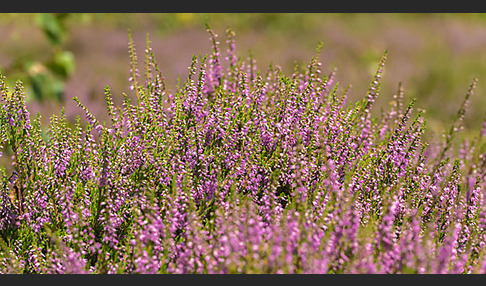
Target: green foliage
{"points": [[45, 77]]}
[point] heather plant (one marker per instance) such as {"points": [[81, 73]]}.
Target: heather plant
{"points": [[239, 170]]}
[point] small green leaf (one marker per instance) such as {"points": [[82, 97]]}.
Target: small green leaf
{"points": [[52, 27], [63, 64]]}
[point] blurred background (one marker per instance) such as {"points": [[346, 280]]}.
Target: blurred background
{"points": [[435, 56]]}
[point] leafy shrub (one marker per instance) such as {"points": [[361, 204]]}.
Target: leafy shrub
{"points": [[239, 171]]}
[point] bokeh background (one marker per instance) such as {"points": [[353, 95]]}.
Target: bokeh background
{"points": [[435, 56]]}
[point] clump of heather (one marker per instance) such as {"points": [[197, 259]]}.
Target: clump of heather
{"points": [[240, 170]]}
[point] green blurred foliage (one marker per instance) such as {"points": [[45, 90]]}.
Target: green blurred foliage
{"points": [[45, 79], [53, 27]]}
